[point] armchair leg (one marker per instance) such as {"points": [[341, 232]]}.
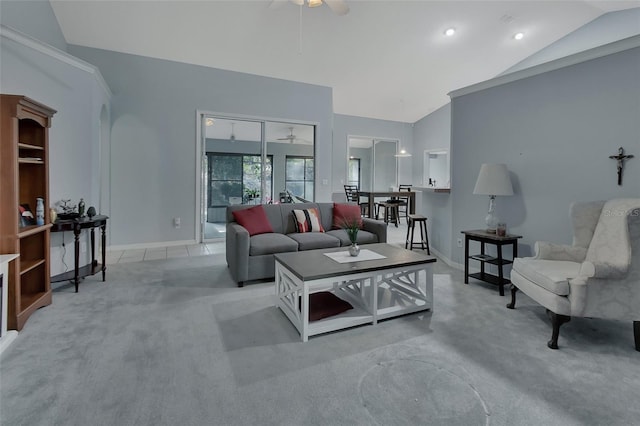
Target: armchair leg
{"points": [[556, 321], [240, 283], [512, 304], [636, 334]]}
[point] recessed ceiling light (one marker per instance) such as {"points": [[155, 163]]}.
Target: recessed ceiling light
{"points": [[518, 36], [450, 31]]}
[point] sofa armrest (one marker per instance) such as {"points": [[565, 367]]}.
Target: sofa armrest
{"points": [[377, 227], [551, 251], [237, 245]]}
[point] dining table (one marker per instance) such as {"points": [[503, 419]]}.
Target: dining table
{"points": [[372, 195]]}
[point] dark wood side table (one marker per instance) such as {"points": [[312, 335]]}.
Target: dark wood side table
{"points": [[485, 237], [77, 225]]}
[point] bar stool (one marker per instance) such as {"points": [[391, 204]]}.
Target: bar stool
{"points": [[424, 237], [391, 212]]}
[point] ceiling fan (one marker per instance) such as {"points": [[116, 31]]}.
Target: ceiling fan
{"points": [[292, 138], [339, 7]]}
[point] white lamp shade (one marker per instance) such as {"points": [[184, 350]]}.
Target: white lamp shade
{"points": [[493, 179]]}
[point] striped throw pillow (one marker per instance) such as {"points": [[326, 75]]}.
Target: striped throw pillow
{"points": [[307, 220]]}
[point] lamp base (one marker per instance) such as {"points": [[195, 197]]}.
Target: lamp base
{"points": [[491, 219]]}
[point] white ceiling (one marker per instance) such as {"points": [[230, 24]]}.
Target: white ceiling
{"points": [[385, 59]]}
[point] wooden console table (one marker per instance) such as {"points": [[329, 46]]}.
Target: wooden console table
{"points": [[485, 237], [77, 225]]}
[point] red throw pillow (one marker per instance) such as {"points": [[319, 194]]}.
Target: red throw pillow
{"points": [[254, 219], [346, 213]]}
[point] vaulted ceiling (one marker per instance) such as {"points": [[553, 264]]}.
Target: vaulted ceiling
{"points": [[384, 59]]}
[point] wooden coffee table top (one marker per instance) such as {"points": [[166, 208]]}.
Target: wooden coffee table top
{"points": [[313, 264]]}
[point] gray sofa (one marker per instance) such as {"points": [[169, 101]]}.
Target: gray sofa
{"points": [[251, 257]]}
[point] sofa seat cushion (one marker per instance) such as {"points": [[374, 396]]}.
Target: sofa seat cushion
{"points": [[271, 243], [552, 275], [364, 237], [314, 240]]}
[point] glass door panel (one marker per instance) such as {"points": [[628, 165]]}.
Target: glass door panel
{"points": [[245, 162]]}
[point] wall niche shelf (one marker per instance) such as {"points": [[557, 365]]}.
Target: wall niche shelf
{"points": [[432, 189]]}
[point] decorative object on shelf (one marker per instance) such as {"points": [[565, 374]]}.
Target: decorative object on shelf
{"points": [[493, 180], [91, 212], [68, 211], [620, 158], [26, 216], [53, 213], [39, 211], [81, 207], [501, 230]]}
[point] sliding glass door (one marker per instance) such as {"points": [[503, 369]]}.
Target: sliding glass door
{"points": [[253, 162]]}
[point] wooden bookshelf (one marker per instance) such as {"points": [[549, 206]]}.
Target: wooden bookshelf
{"points": [[24, 170]]}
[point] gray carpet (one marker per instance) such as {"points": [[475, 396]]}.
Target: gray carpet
{"points": [[174, 342]]}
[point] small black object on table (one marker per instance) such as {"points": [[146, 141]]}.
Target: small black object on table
{"points": [[485, 237], [77, 225]]}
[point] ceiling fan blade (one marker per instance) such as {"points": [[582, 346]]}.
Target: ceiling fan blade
{"points": [[339, 7]]}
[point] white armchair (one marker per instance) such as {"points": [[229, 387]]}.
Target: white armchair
{"points": [[598, 276]]}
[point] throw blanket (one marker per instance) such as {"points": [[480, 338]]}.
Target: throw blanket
{"points": [[610, 248]]}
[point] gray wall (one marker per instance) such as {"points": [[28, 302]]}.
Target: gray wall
{"points": [[434, 132], [77, 140], [555, 132], [35, 18], [153, 150]]}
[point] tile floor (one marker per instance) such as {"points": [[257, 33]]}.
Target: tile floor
{"points": [[140, 255], [394, 235]]}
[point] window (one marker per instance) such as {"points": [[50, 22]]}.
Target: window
{"points": [[299, 175], [353, 174], [235, 179]]}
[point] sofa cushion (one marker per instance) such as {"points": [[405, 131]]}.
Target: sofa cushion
{"points": [[314, 240], [364, 237], [307, 220], [254, 219], [552, 275], [271, 243], [344, 214]]}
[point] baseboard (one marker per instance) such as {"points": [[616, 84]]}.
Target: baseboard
{"points": [[6, 339], [161, 244], [446, 260]]}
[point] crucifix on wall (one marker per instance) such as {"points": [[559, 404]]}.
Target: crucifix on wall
{"points": [[620, 158]]}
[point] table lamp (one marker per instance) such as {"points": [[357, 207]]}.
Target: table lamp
{"points": [[493, 180]]}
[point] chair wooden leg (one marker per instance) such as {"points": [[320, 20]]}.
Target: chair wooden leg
{"points": [[636, 334], [556, 321], [512, 304], [240, 283]]}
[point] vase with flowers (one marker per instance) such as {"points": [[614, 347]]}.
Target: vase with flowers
{"points": [[352, 226]]}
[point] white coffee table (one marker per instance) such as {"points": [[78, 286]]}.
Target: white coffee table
{"points": [[398, 284]]}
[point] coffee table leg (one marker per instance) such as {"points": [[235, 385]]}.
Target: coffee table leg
{"points": [[374, 297], [305, 312]]}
